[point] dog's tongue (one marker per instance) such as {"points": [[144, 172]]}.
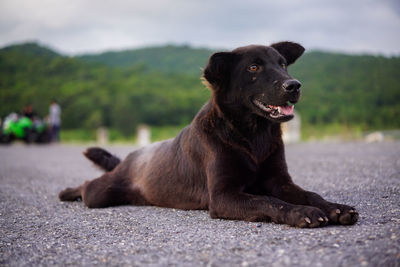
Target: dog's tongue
{"points": [[287, 110]]}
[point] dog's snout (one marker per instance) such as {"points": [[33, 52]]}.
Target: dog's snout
{"points": [[292, 85]]}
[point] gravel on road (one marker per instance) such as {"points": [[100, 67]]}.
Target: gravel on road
{"points": [[36, 229]]}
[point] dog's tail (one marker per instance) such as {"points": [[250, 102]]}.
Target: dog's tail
{"points": [[102, 158]]}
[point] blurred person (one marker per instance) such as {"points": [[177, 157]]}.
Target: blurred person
{"points": [[54, 121], [28, 112]]}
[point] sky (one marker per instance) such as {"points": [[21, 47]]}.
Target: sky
{"points": [[85, 26]]}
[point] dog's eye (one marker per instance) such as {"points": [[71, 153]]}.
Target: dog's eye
{"points": [[283, 66], [254, 68]]}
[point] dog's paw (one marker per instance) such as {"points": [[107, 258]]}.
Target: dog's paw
{"points": [[307, 217], [342, 214], [70, 194]]}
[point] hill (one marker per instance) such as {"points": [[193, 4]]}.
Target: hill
{"points": [[30, 49], [361, 90], [167, 59], [161, 86], [94, 94]]}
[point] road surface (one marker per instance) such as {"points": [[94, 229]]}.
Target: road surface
{"points": [[38, 229]]}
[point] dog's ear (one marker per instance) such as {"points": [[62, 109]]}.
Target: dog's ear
{"points": [[217, 71], [290, 51]]}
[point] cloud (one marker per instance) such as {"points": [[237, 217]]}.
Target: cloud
{"points": [[77, 26]]}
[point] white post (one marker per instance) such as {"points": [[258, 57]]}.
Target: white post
{"points": [[102, 136], [143, 135], [291, 130]]}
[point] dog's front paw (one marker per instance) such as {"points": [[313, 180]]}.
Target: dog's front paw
{"points": [[341, 214], [307, 217]]}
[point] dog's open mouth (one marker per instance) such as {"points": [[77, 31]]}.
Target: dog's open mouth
{"points": [[276, 112]]}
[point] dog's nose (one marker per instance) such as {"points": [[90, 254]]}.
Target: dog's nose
{"points": [[292, 85]]}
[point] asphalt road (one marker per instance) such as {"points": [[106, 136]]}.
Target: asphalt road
{"points": [[37, 229]]}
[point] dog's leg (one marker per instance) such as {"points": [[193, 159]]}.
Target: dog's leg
{"points": [[278, 183], [337, 213], [228, 201], [105, 191], [242, 206]]}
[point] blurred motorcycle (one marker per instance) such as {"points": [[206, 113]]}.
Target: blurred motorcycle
{"points": [[15, 127]]}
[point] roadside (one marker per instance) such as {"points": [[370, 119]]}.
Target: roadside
{"points": [[37, 229]]}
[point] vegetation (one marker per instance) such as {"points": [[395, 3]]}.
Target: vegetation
{"points": [[161, 86], [362, 91], [167, 59]]}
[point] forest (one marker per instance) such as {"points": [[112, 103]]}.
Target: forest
{"points": [[161, 86]]}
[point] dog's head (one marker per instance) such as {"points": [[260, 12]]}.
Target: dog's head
{"points": [[255, 78]]}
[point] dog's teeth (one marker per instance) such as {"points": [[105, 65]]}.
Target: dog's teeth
{"points": [[307, 220], [279, 109]]}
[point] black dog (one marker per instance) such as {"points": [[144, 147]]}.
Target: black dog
{"points": [[230, 159]]}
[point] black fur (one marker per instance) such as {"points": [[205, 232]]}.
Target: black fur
{"points": [[230, 160], [102, 158]]}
